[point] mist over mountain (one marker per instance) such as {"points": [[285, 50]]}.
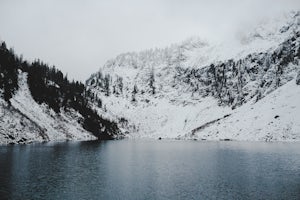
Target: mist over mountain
{"points": [[242, 89]]}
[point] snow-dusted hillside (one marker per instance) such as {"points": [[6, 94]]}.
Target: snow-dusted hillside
{"points": [[273, 118], [189, 90], [26, 121]]}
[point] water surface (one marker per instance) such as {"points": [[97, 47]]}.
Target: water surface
{"points": [[150, 170]]}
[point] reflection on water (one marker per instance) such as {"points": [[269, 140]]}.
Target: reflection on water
{"points": [[150, 170]]}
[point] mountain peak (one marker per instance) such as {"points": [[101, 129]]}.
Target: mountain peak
{"points": [[196, 83]]}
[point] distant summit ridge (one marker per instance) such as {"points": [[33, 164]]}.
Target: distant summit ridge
{"points": [[169, 92]]}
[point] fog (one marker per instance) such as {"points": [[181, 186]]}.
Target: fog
{"points": [[80, 36]]}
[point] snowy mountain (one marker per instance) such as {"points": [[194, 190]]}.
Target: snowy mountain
{"points": [[204, 90], [26, 121], [38, 103]]}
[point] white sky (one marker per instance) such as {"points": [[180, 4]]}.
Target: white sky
{"points": [[79, 36]]}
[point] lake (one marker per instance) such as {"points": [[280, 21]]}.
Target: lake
{"points": [[146, 169]]}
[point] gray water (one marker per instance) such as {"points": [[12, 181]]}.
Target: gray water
{"points": [[150, 170]]}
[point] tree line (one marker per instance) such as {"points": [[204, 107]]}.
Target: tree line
{"points": [[50, 86]]}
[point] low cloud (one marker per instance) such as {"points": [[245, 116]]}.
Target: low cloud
{"points": [[79, 36]]}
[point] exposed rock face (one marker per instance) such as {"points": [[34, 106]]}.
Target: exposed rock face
{"points": [[170, 92]]}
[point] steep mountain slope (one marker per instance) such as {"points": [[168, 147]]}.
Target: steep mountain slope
{"points": [[26, 121], [273, 118], [173, 91], [39, 103]]}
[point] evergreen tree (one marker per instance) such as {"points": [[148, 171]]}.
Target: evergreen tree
{"points": [[107, 84], [298, 79], [151, 81], [9, 64], [120, 84], [134, 92], [48, 85]]}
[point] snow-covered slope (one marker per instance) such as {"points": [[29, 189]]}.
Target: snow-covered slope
{"points": [[274, 118], [26, 121], [171, 92]]}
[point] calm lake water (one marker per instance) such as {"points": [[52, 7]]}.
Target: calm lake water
{"points": [[150, 170]]}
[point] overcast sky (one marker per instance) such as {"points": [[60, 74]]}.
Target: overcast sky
{"points": [[78, 36]]}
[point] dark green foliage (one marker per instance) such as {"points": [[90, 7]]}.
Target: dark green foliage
{"points": [[48, 85], [119, 85], [235, 82], [134, 92], [106, 84], [298, 79], [9, 64], [151, 81]]}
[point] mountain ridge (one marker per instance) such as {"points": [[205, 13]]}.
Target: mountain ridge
{"points": [[170, 92]]}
